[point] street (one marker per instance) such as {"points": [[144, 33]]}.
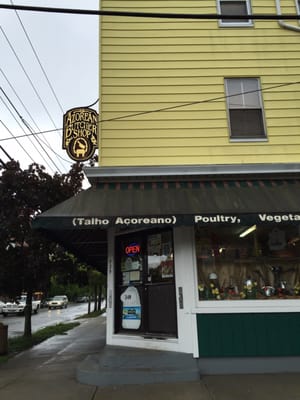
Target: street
{"points": [[45, 318]]}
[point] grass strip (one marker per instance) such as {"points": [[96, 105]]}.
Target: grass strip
{"points": [[92, 314], [21, 343]]}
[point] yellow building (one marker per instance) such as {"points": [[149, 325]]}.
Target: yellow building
{"points": [[194, 209], [164, 82]]}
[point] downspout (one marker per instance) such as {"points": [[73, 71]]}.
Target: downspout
{"points": [[281, 22]]}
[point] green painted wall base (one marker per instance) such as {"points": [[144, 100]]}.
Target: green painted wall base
{"points": [[248, 365], [249, 335]]}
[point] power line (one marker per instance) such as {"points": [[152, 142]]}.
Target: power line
{"points": [[46, 143], [36, 92], [38, 60], [27, 76], [58, 155], [16, 138], [179, 105], [150, 14], [191, 103], [29, 128], [18, 97], [25, 108], [33, 134], [6, 153]]}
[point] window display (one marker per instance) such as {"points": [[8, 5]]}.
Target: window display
{"points": [[131, 263], [251, 262], [160, 257]]}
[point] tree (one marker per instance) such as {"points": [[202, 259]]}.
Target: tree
{"points": [[97, 283], [24, 252]]}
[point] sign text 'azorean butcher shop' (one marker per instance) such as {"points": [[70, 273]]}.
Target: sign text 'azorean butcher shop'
{"points": [[80, 133], [199, 219]]}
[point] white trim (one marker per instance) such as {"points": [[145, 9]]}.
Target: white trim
{"points": [[140, 342], [176, 172], [249, 140], [298, 9], [246, 23], [110, 310], [247, 306], [184, 258]]}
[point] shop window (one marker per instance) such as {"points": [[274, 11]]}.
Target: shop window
{"points": [[234, 7], [254, 262], [245, 111]]}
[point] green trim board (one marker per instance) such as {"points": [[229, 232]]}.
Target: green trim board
{"points": [[249, 335]]}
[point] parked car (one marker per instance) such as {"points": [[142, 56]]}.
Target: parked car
{"points": [[45, 302], [58, 302], [18, 306]]}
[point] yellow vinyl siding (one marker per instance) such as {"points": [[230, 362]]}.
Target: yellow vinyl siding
{"points": [[162, 86]]}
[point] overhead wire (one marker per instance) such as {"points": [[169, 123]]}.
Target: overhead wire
{"points": [[27, 76], [45, 144], [38, 59], [149, 14], [36, 92], [190, 103], [45, 76], [17, 139], [25, 135], [156, 15], [29, 128], [33, 134], [19, 98], [185, 104]]}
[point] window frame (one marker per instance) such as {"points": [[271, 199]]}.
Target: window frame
{"points": [[298, 9], [233, 138], [228, 24]]}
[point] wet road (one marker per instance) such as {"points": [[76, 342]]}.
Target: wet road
{"points": [[44, 318]]}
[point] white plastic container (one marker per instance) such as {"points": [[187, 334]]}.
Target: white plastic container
{"points": [[131, 313]]}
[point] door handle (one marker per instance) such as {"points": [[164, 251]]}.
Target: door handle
{"points": [[180, 297]]}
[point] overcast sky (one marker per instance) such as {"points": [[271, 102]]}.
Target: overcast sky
{"points": [[65, 47]]}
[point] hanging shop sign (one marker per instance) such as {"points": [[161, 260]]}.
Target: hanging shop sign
{"points": [[80, 133]]}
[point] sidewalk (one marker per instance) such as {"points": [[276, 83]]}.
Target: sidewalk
{"points": [[49, 371]]}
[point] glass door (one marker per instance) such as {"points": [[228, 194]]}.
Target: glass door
{"points": [[145, 284]]}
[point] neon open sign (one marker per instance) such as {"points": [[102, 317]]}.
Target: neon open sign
{"points": [[132, 249]]}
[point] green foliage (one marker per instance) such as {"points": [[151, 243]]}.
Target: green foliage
{"points": [[72, 290], [93, 314], [97, 282], [26, 255], [21, 343], [25, 263]]}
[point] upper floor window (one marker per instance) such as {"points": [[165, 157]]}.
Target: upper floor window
{"points": [[244, 107], [298, 8], [234, 7]]}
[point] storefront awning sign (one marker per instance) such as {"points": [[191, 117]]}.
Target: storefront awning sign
{"points": [[171, 220], [209, 205]]}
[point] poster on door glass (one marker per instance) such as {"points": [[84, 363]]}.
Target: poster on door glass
{"points": [[160, 257]]}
